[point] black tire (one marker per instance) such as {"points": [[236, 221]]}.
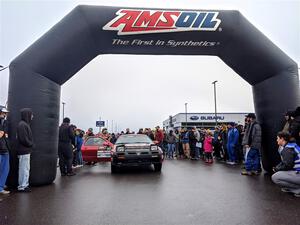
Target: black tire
{"points": [[157, 167], [114, 169]]}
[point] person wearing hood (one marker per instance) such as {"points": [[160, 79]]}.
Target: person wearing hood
{"points": [[25, 146], [65, 152], [294, 128], [4, 150]]}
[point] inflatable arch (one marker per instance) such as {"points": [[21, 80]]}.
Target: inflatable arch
{"points": [[37, 74]]}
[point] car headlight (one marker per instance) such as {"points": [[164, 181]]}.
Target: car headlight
{"points": [[120, 149], [153, 148]]}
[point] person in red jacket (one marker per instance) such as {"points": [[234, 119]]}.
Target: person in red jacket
{"points": [[159, 137]]}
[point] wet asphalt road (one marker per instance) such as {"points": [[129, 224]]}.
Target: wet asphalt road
{"points": [[184, 192]]}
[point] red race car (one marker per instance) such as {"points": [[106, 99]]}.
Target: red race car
{"points": [[96, 149]]}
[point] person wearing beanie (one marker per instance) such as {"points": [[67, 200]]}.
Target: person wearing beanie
{"points": [[252, 144], [65, 153]]}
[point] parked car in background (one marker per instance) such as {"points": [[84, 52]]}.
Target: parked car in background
{"points": [[96, 149], [136, 150]]}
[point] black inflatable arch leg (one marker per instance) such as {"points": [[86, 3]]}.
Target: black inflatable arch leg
{"points": [[43, 96], [272, 98]]}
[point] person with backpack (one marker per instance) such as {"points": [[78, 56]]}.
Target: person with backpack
{"points": [[287, 172]]}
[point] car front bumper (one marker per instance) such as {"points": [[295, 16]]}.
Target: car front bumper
{"points": [[137, 160]]}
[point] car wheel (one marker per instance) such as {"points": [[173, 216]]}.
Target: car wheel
{"points": [[114, 169], [157, 167]]}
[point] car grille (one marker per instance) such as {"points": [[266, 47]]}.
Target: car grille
{"points": [[138, 153], [138, 147]]}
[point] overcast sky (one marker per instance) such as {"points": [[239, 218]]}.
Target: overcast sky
{"points": [[147, 95]]}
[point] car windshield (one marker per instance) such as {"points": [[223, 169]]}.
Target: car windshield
{"points": [[94, 141], [133, 139]]}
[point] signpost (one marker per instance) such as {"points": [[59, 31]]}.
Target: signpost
{"points": [[100, 124]]}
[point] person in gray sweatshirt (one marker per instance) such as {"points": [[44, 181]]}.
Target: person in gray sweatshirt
{"points": [[171, 140]]}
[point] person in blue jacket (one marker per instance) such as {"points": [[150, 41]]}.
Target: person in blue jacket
{"points": [[232, 143], [78, 143]]}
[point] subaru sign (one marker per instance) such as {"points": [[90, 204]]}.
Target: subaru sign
{"points": [[194, 117]]}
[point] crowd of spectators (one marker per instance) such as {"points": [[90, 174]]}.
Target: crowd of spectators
{"points": [[235, 144]]}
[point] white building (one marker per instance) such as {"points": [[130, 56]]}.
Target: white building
{"points": [[202, 120]]}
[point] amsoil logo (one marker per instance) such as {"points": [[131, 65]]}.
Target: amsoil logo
{"points": [[131, 21]]}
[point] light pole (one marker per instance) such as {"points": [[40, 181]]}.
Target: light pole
{"points": [[63, 103], [185, 114], [100, 124], [215, 96]]}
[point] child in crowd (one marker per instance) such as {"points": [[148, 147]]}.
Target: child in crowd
{"points": [[78, 144], [208, 147]]}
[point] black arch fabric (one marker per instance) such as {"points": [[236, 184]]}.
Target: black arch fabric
{"points": [[37, 74]]}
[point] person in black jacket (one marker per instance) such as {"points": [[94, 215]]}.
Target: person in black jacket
{"points": [[294, 128], [192, 142], [25, 146], [65, 153], [4, 150]]}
